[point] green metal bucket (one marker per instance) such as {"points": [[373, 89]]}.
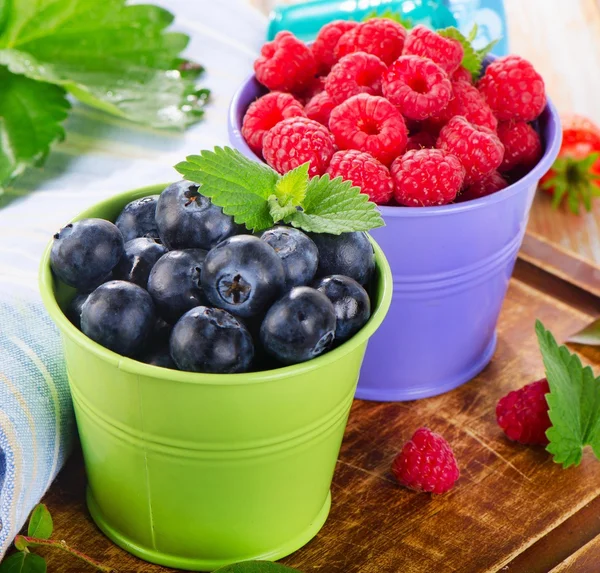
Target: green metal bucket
{"points": [[196, 471]]}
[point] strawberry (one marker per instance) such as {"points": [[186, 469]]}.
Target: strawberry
{"points": [[576, 172]]}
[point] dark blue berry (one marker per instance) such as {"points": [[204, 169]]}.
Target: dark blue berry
{"points": [[211, 340], [174, 283], [189, 220], [298, 253], [138, 259], [243, 275], [299, 326], [83, 254], [138, 219], [120, 316], [158, 356], [348, 254], [162, 330], [350, 301], [73, 310]]}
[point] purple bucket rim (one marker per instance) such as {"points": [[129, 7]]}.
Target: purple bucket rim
{"points": [[531, 178]]}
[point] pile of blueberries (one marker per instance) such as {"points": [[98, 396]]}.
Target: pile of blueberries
{"points": [[175, 282]]}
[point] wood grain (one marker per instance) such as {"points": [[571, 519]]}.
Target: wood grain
{"points": [[586, 560]]}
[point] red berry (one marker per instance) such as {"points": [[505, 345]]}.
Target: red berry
{"points": [[426, 463], [285, 64], [522, 145], [369, 123], [295, 141], [326, 41], [513, 89], [266, 112], [478, 148], [492, 183], [381, 37], [462, 74], [319, 108], [523, 414], [426, 177], [365, 172], [419, 87], [468, 102], [310, 90], [354, 74], [445, 52], [421, 140]]}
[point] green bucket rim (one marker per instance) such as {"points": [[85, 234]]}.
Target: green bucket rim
{"points": [[46, 280]]}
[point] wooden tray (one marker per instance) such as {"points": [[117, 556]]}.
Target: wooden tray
{"points": [[512, 510]]}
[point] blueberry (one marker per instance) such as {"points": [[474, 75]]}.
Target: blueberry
{"points": [[348, 254], [138, 219], [298, 253], [73, 311], [350, 301], [299, 326], [162, 330], [174, 283], [158, 356], [189, 220], [84, 253], [120, 316], [243, 275], [138, 259], [211, 340]]}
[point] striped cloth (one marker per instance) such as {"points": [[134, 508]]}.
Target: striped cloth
{"points": [[100, 157]]}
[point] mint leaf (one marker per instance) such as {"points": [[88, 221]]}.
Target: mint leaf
{"points": [[335, 206], [290, 192], [589, 335], [40, 523], [255, 567], [114, 57], [23, 563], [471, 59], [574, 402], [240, 186], [31, 114], [390, 15]]}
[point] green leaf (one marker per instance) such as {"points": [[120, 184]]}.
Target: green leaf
{"points": [[471, 59], [40, 523], [114, 57], [574, 402], [255, 567], [31, 114], [390, 15], [335, 206], [589, 335], [289, 194], [240, 186], [23, 563]]}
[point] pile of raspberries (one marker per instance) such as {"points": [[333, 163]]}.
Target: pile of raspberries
{"points": [[395, 112]]}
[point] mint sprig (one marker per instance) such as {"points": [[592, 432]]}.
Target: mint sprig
{"points": [[258, 197], [574, 402]]}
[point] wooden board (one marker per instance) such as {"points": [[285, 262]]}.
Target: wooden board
{"points": [[512, 508]]}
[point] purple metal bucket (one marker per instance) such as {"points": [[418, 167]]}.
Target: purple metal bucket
{"points": [[451, 268]]}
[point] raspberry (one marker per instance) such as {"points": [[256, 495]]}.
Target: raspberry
{"points": [[523, 414], [478, 148], [319, 108], [310, 90], [513, 89], [462, 75], [522, 145], [468, 102], [326, 41], [421, 140], [365, 172], [266, 112], [445, 52], [417, 86], [285, 64], [492, 183], [369, 123], [295, 141], [381, 37], [426, 177], [354, 74], [426, 463]]}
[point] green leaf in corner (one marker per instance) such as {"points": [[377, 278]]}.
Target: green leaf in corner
{"points": [[240, 186], [31, 114], [574, 402], [334, 206], [590, 335], [255, 567], [471, 59], [40, 523], [290, 192], [23, 563]]}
